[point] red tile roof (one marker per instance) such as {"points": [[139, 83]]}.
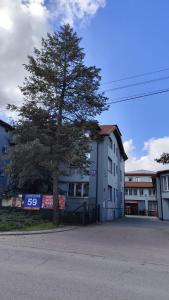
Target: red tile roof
{"points": [[139, 184], [107, 130]]}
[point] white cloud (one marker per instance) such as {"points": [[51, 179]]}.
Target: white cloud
{"points": [[22, 25], [70, 10], [21, 28], [152, 149]]}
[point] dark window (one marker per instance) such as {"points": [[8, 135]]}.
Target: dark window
{"points": [[109, 193], [78, 192], [78, 189], [71, 189], [85, 189], [4, 149], [110, 143], [141, 192], [109, 165], [130, 192], [114, 169], [135, 192], [126, 191]]}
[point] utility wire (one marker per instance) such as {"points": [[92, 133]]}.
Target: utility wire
{"points": [[138, 96], [136, 84], [136, 76]]}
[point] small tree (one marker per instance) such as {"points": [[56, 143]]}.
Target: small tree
{"points": [[61, 100], [164, 159]]}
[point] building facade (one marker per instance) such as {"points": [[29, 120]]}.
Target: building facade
{"points": [[103, 187], [5, 138], [140, 193], [163, 194]]}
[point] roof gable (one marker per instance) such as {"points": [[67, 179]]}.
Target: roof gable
{"points": [[6, 125], [106, 130]]}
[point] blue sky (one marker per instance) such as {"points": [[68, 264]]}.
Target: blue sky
{"points": [[126, 38]]}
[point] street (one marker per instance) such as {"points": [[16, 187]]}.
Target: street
{"points": [[124, 260]]}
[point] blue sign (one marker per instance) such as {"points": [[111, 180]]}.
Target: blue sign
{"points": [[32, 202]]}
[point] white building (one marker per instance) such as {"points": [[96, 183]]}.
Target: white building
{"points": [[163, 194], [140, 193]]}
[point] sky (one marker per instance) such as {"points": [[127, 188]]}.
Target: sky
{"points": [[124, 38]]}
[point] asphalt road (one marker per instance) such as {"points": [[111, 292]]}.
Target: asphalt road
{"points": [[127, 260]]}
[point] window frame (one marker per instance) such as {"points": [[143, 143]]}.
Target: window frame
{"points": [[75, 189]]}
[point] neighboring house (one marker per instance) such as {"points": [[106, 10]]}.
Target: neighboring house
{"points": [[5, 137], [103, 187], [163, 194], [140, 193]]}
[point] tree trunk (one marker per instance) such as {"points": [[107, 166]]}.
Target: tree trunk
{"points": [[55, 198]]}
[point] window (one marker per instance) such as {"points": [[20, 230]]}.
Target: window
{"points": [[4, 149], [114, 194], [1, 172], [114, 169], [85, 189], [109, 193], [120, 175], [110, 143], [109, 165], [126, 191], [71, 189], [165, 183], [78, 189], [114, 148], [135, 192], [141, 192], [130, 178], [130, 192]]}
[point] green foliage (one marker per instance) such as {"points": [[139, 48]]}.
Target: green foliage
{"points": [[20, 220], [164, 159], [61, 100]]}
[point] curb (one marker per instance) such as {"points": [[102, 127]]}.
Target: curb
{"points": [[8, 233]]}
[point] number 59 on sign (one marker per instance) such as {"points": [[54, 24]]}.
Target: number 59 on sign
{"points": [[32, 202]]}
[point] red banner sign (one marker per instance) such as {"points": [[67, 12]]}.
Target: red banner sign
{"points": [[47, 201]]}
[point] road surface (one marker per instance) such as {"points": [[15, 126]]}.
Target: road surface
{"points": [[125, 260]]}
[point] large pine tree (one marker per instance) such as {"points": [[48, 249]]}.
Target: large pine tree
{"points": [[61, 100]]}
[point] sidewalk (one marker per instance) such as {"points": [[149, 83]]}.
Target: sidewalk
{"points": [[60, 229]]}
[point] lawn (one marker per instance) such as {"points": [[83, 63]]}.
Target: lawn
{"points": [[20, 220]]}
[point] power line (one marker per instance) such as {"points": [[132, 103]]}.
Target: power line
{"points": [[136, 76], [136, 84], [138, 96]]}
